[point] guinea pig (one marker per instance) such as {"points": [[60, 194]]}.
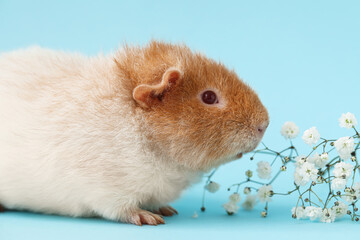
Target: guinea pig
{"points": [[118, 136]]}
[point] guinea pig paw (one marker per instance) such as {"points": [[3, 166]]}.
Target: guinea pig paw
{"points": [[167, 211], [141, 217]]}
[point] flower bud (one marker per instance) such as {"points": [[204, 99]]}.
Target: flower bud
{"points": [[247, 190], [263, 214], [320, 179], [283, 168], [249, 173]]}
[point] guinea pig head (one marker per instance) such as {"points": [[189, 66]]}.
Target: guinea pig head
{"points": [[196, 112]]}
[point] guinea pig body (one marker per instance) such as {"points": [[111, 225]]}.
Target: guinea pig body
{"points": [[115, 136]]}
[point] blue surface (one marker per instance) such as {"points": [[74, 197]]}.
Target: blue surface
{"points": [[302, 57]]}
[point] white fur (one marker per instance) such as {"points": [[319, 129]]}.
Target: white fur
{"points": [[70, 141]]}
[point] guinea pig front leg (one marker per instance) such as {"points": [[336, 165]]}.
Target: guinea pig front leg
{"points": [[2, 209], [129, 214], [166, 211], [140, 217]]}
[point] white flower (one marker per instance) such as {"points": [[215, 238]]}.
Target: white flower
{"points": [[265, 193], [212, 187], [349, 197], [231, 207], [299, 160], [299, 179], [305, 173], [319, 160], [347, 120], [313, 212], [324, 158], [327, 216], [235, 197], [299, 212], [338, 183], [289, 130], [343, 170], [311, 136], [195, 215], [264, 170], [249, 202], [356, 187], [344, 146], [309, 170], [340, 209]]}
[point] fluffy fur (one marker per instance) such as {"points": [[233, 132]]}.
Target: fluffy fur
{"points": [[117, 136]]}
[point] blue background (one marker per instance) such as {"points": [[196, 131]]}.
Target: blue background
{"points": [[302, 57]]}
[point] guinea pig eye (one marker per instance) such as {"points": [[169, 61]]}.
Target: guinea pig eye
{"points": [[209, 97]]}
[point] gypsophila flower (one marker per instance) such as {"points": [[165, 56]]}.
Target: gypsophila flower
{"points": [[327, 186], [344, 146], [235, 197], [319, 160], [353, 196], [311, 136], [338, 183], [305, 173], [343, 170], [195, 215], [340, 209], [324, 158], [212, 187], [265, 193], [356, 188], [299, 179], [249, 202], [327, 216], [289, 130], [347, 120], [313, 212], [231, 207], [263, 170], [299, 212], [299, 160]]}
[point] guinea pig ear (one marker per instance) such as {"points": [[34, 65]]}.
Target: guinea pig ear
{"points": [[148, 95]]}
